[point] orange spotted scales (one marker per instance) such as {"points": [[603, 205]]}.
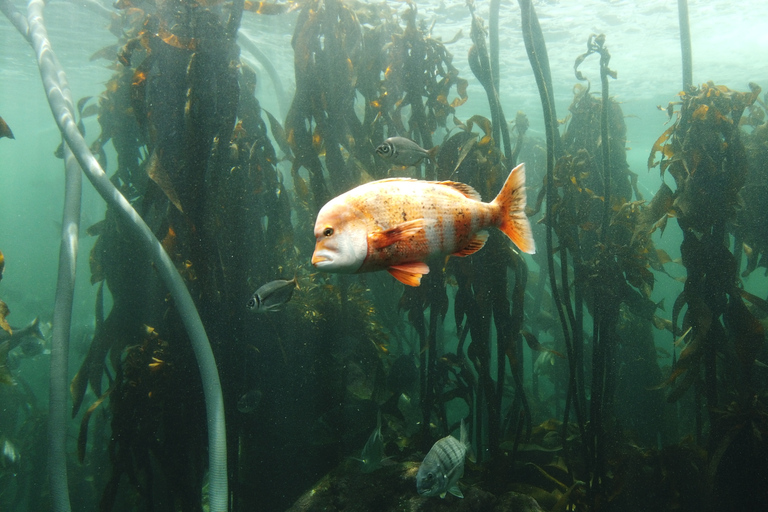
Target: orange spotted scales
{"points": [[397, 224]]}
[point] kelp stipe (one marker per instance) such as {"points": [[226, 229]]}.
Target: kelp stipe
{"points": [[51, 72]]}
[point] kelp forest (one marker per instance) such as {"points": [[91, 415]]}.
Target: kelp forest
{"points": [[552, 362]]}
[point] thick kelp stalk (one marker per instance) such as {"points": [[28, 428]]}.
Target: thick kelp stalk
{"points": [[605, 309], [685, 43], [571, 326], [177, 95], [603, 240], [483, 294], [482, 67], [65, 290], [65, 286], [704, 154]]}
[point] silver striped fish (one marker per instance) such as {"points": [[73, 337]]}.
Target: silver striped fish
{"points": [[443, 466], [404, 151]]}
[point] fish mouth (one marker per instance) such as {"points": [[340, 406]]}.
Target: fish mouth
{"points": [[319, 258]]}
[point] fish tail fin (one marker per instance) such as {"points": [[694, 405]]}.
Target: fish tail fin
{"points": [[510, 205], [35, 329], [466, 442], [432, 153]]}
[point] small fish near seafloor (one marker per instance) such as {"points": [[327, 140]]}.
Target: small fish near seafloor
{"points": [[272, 295], [404, 151], [443, 466], [32, 329], [372, 455], [397, 224], [31, 339]]}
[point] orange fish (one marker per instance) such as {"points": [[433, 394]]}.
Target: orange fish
{"points": [[397, 224]]}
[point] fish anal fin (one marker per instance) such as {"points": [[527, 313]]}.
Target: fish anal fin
{"points": [[465, 189], [387, 237], [456, 491], [474, 245], [409, 273]]}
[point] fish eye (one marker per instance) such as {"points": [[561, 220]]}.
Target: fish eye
{"points": [[328, 231], [251, 303]]}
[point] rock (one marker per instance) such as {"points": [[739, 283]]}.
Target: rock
{"points": [[393, 489]]}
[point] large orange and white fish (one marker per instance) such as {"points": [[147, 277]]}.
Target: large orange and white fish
{"points": [[397, 224]]}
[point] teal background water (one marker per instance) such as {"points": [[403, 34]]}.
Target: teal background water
{"points": [[729, 43]]}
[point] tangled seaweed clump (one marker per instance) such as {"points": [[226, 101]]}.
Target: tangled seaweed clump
{"points": [[553, 362]]}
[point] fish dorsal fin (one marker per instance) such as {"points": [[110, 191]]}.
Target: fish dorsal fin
{"points": [[409, 273], [388, 180], [387, 237], [463, 188], [474, 245]]}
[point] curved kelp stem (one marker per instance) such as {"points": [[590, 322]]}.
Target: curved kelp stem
{"points": [[62, 313], [248, 44], [596, 44], [51, 71], [62, 319], [493, 37], [16, 18], [606, 310], [537, 54], [685, 43], [481, 66]]}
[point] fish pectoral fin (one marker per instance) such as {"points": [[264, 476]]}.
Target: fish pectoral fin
{"points": [[409, 273], [387, 237], [456, 491], [474, 245]]}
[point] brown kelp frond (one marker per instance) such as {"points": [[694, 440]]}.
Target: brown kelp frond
{"points": [[704, 153]]}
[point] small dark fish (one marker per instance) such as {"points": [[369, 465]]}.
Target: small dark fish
{"points": [[19, 334], [248, 402], [405, 152], [272, 295], [5, 130], [108, 53], [443, 466], [32, 342]]}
